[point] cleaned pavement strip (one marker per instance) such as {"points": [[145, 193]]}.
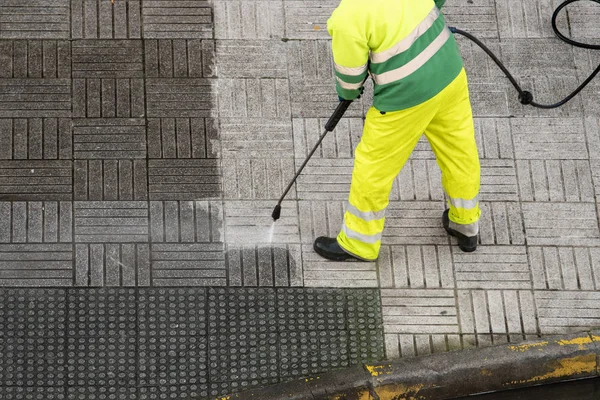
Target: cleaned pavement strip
{"points": [[145, 144]]}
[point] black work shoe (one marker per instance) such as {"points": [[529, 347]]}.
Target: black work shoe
{"points": [[465, 243], [331, 250]]}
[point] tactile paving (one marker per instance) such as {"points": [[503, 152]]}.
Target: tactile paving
{"points": [[102, 393], [191, 392], [242, 332], [102, 361], [31, 362], [102, 312], [364, 328], [32, 312], [32, 393], [172, 312]]}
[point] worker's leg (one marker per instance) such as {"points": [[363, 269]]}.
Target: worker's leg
{"points": [[386, 144], [452, 137]]}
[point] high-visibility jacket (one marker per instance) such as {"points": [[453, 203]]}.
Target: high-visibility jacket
{"points": [[404, 44]]}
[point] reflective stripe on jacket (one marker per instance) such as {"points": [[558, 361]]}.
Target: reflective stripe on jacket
{"points": [[404, 44]]}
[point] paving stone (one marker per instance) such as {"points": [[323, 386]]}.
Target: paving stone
{"points": [[414, 222], [415, 267], [182, 19], [419, 311], [112, 264], [567, 311], [496, 316], [242, 328], [555, 180], [33, 180], [476, 62], [560, 224], [257, 178], [24, 98], [32, 313], [186, 221], [35, 138], [253, 138], [365, 326], [549, 138], [420, 180], [37, 19], [180, 97], [319, 272], [183, 138], [264, 266], [251, 58], [248, 19], [581, 18], [107, 58], [189, 264], [110, 180], [337, 144], [406, 345], [565, 268], [490, 96], [492, 267], [498, 180], [36, 264], [324, 179], [254, 98], [172, 313], [32, 362], [101, 313], [173, 361], [250, 222], [36, 222], [179, 58], [32, 393], [501, 223], [184, 179], [111, 221], [108, 98], [307, 19], [109, 138], [527, 19], [101, 361], [494, 138], [592, 129], [101, 393], [478, 18], [35, 59], [97, 19], [586, 61]]}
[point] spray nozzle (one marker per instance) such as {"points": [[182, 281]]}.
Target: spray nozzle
{"points": [[276, 212]]}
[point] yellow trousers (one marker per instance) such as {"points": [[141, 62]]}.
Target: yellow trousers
{"points": [[387, 142]]}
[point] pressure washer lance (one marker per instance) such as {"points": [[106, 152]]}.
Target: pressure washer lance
{"points": [[329, 126]]}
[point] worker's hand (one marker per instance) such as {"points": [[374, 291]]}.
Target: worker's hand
{"points": [[362, 89]]}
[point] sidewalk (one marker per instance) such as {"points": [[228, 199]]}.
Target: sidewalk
{"points": [[145, 144]]}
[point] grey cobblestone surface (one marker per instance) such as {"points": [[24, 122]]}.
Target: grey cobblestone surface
{"points": [[144, 146]]}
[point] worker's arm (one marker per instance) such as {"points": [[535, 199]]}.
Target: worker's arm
{"points": [[351, 56], [439, 3]]}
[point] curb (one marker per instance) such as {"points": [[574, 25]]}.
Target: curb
{"points": [[447, 375]]}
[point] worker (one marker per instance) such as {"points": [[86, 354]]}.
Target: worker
{"points": [[420, 87]]}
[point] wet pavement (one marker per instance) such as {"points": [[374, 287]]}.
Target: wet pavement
{"points": [[145, 144]]}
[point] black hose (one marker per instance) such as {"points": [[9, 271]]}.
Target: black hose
{"points": [[526, 97]]}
